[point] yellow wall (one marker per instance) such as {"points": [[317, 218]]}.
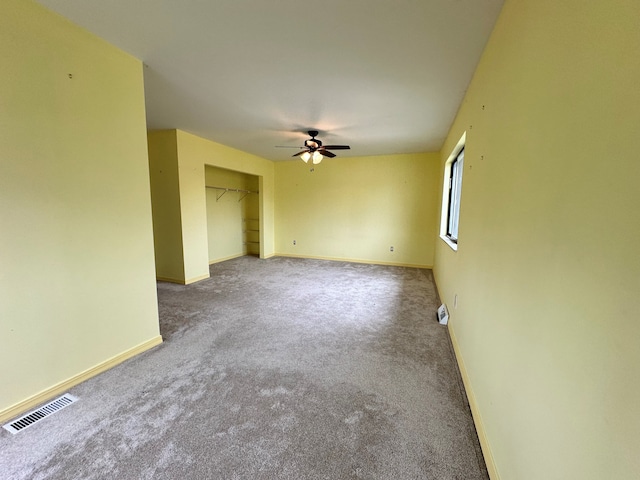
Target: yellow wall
{"points": [[180, 201], [165, 199], [179, 211], [198, 151], [77, 282], [228, 214], [548, 270], [193, 212], [357, 208]]}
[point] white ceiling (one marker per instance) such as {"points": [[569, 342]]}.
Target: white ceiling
{"points": [[384, 76]]}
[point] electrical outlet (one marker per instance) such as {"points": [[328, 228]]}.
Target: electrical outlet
{"points": [[391, 249], [294, 242]]}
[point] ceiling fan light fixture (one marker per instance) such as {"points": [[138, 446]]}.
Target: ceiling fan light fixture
{"points": [[314, 149]]}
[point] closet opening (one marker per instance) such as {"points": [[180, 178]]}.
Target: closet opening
{"points": [[233, 214]]}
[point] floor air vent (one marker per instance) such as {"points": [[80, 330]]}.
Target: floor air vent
{"points": [[42, 412], [443, 314]]}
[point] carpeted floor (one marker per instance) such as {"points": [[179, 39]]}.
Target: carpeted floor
{"points": [[272, 369]]}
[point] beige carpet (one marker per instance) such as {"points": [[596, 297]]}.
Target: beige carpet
{"points": [[272, 369]]}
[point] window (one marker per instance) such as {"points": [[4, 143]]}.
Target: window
{"points": [[455, 185], [451, 193]]}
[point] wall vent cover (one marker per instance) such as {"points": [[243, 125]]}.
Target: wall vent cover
{"points": [[44, 411]]}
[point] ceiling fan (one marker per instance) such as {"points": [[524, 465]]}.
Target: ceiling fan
{"points": [[315, 151]]}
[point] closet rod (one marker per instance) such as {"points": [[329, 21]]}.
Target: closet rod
{"points": [[225, 190]]}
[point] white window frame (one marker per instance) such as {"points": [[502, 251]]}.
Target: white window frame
{"points": [[451, 206]]}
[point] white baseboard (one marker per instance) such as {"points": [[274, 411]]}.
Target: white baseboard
{"points": [[170, 280], [180, 281], [61, 387], [230, 257], [354, 260], [196, 279]]}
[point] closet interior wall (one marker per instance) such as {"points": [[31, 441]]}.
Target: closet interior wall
{"points": [[233, 226]]}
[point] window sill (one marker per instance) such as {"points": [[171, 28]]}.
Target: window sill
{"points": [[447, 240]]}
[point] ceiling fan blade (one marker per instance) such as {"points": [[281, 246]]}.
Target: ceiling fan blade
{"points": [[299, 153], [287, 146], [337, 147], [327, 153]]}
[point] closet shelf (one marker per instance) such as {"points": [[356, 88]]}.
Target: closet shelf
{"points": [[225, 190]]}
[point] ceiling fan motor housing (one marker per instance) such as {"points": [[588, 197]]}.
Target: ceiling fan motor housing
{"points": [[313, 143]]}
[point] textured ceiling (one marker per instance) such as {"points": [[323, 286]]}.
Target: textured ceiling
{"points": [[382, 76]]}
